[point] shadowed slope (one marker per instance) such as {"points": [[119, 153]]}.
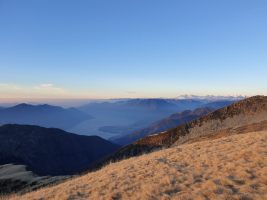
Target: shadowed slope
{"points": [[50, 151]]}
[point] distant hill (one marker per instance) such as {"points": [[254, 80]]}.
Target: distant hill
{"points": [[246, 115], [49, 151], [42, 115], [163, 125]]}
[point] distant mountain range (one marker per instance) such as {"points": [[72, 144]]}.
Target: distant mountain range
{"points": [[49, 151], [108, 120], [119, 118], [163, 125], [42, 115]]}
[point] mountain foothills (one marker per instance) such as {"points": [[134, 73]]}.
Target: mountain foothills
{"points": [[42, 115], [221, 155]]}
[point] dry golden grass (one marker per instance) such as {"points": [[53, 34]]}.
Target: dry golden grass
{"points": [[233, 167]]}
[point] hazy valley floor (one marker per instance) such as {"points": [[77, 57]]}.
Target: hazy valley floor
{"points": [[233, 167]]}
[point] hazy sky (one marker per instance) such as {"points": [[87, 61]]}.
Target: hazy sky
{"points": [[132, 48]]}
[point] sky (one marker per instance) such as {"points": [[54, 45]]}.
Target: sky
{"points": [[76, 49]]}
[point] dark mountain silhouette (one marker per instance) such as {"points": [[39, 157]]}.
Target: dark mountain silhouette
{"points": [[163, 125], [49, 151], [42, 115], [246, 115]]}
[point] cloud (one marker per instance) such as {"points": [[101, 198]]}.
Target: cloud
{"points": [[46, 85], [44, 90], [6, 86], [50, 88]]}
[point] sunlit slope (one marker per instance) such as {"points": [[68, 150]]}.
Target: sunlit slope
{"points": [[232, 167]]}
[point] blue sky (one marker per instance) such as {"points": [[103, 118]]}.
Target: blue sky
{"points": [[137, 48]]}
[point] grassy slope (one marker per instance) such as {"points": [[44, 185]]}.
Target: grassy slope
{"points": [[232, 167]]}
